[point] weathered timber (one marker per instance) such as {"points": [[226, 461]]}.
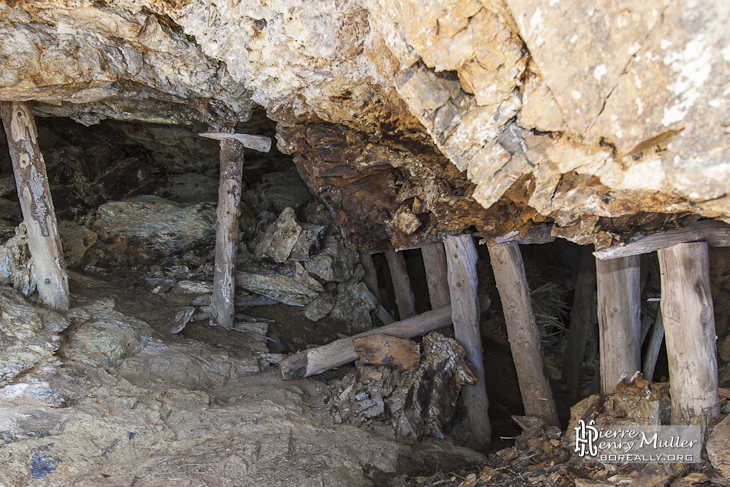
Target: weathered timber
{"points": [[404, 299], [226, 237], [653, 347], [715, 233], [580, 321], [255, 142], [317, 360], [388, 350], [437, 280], [537, 234], [371, 276], [619, 307], [36, 204], [461, 258], [383, 315], [522, 332], [689, 328]]}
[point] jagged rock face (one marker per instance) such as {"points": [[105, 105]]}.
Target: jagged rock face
{"points": [[417, 118]]}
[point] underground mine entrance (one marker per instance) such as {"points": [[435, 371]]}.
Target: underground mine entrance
{"points": [[136, 209]]}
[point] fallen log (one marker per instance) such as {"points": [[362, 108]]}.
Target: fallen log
{"points": [[317, 360]]}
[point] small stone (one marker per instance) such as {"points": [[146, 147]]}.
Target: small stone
{"points": [[320, 307], [280, 237]]}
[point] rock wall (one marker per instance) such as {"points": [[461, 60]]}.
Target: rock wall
{"points": [[412, 118]]}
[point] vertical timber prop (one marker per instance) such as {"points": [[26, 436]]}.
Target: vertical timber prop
{"points": [[434, 261], [401, 284], [226, 238], [522, 332], [619, 308], [461, 258], [689, 327], [36, 204], [580, 322], [371, 276]]}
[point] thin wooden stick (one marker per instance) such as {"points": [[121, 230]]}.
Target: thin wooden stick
{"points": [[401, 284], [652, 350], [434, 261]]}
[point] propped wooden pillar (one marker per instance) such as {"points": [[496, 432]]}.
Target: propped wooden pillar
{"points": [[580, 321], [619, 308], [371, 276], [434, 261], [36, 204], [401, 284], [689, 327], [461, 258], [226, 237], [524, 337]]}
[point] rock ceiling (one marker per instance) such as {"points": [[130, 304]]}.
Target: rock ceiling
{"points": [[415, 118]]}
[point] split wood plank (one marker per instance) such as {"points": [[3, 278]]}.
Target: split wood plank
{"points": [[537, 234], [320, 359], [255, 142], [653, 347], [461, 258], [580, 321], [715, 233], [371, 276], [434, 262], [36, 204], [689, 328], [404, 299], [619, 308], [522, 332]]}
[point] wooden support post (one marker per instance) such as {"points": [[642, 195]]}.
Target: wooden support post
{"points": [[522, 332], [401, 284], [689, 327], [320, 359], [619, 307], [652, 349], [371, 276], [222, 309], [434, 261], [580, 322], [461, 258], [36, 204]]}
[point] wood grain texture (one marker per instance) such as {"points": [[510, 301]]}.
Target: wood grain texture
{"points": [[689, 328], [653, 347], [715, 233], [255, 142], [461, 258], [404, 299], [522, 331], [371, 276], [437, 279], [36, 204], [580, 321], [226, 237], [320, 359], [387, 350], [619, 307]]}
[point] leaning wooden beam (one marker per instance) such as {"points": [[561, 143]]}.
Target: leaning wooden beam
{"points": [[522, 332], [434, 261], [689, 327], [654, 346], [715, 233], [580, 321], [401, 284], [36, 204], [317, 360], [461, 258], [371, 276], [619, 307], [226, 238]]}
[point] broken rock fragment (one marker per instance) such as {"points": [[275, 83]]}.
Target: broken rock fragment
{"points": [[320, 307], [276, 286], [387, 350], [280, 237]]}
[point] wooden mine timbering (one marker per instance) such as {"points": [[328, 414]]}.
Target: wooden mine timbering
{"points": [[580, 321], [619, 307], [524, 337], [226, 237], [401, 284], [461, 257], [689, 326], [371, 276], [36, 203], [434, 261]]}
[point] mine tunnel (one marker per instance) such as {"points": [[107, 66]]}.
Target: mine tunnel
{"points": [[363, 243]]}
